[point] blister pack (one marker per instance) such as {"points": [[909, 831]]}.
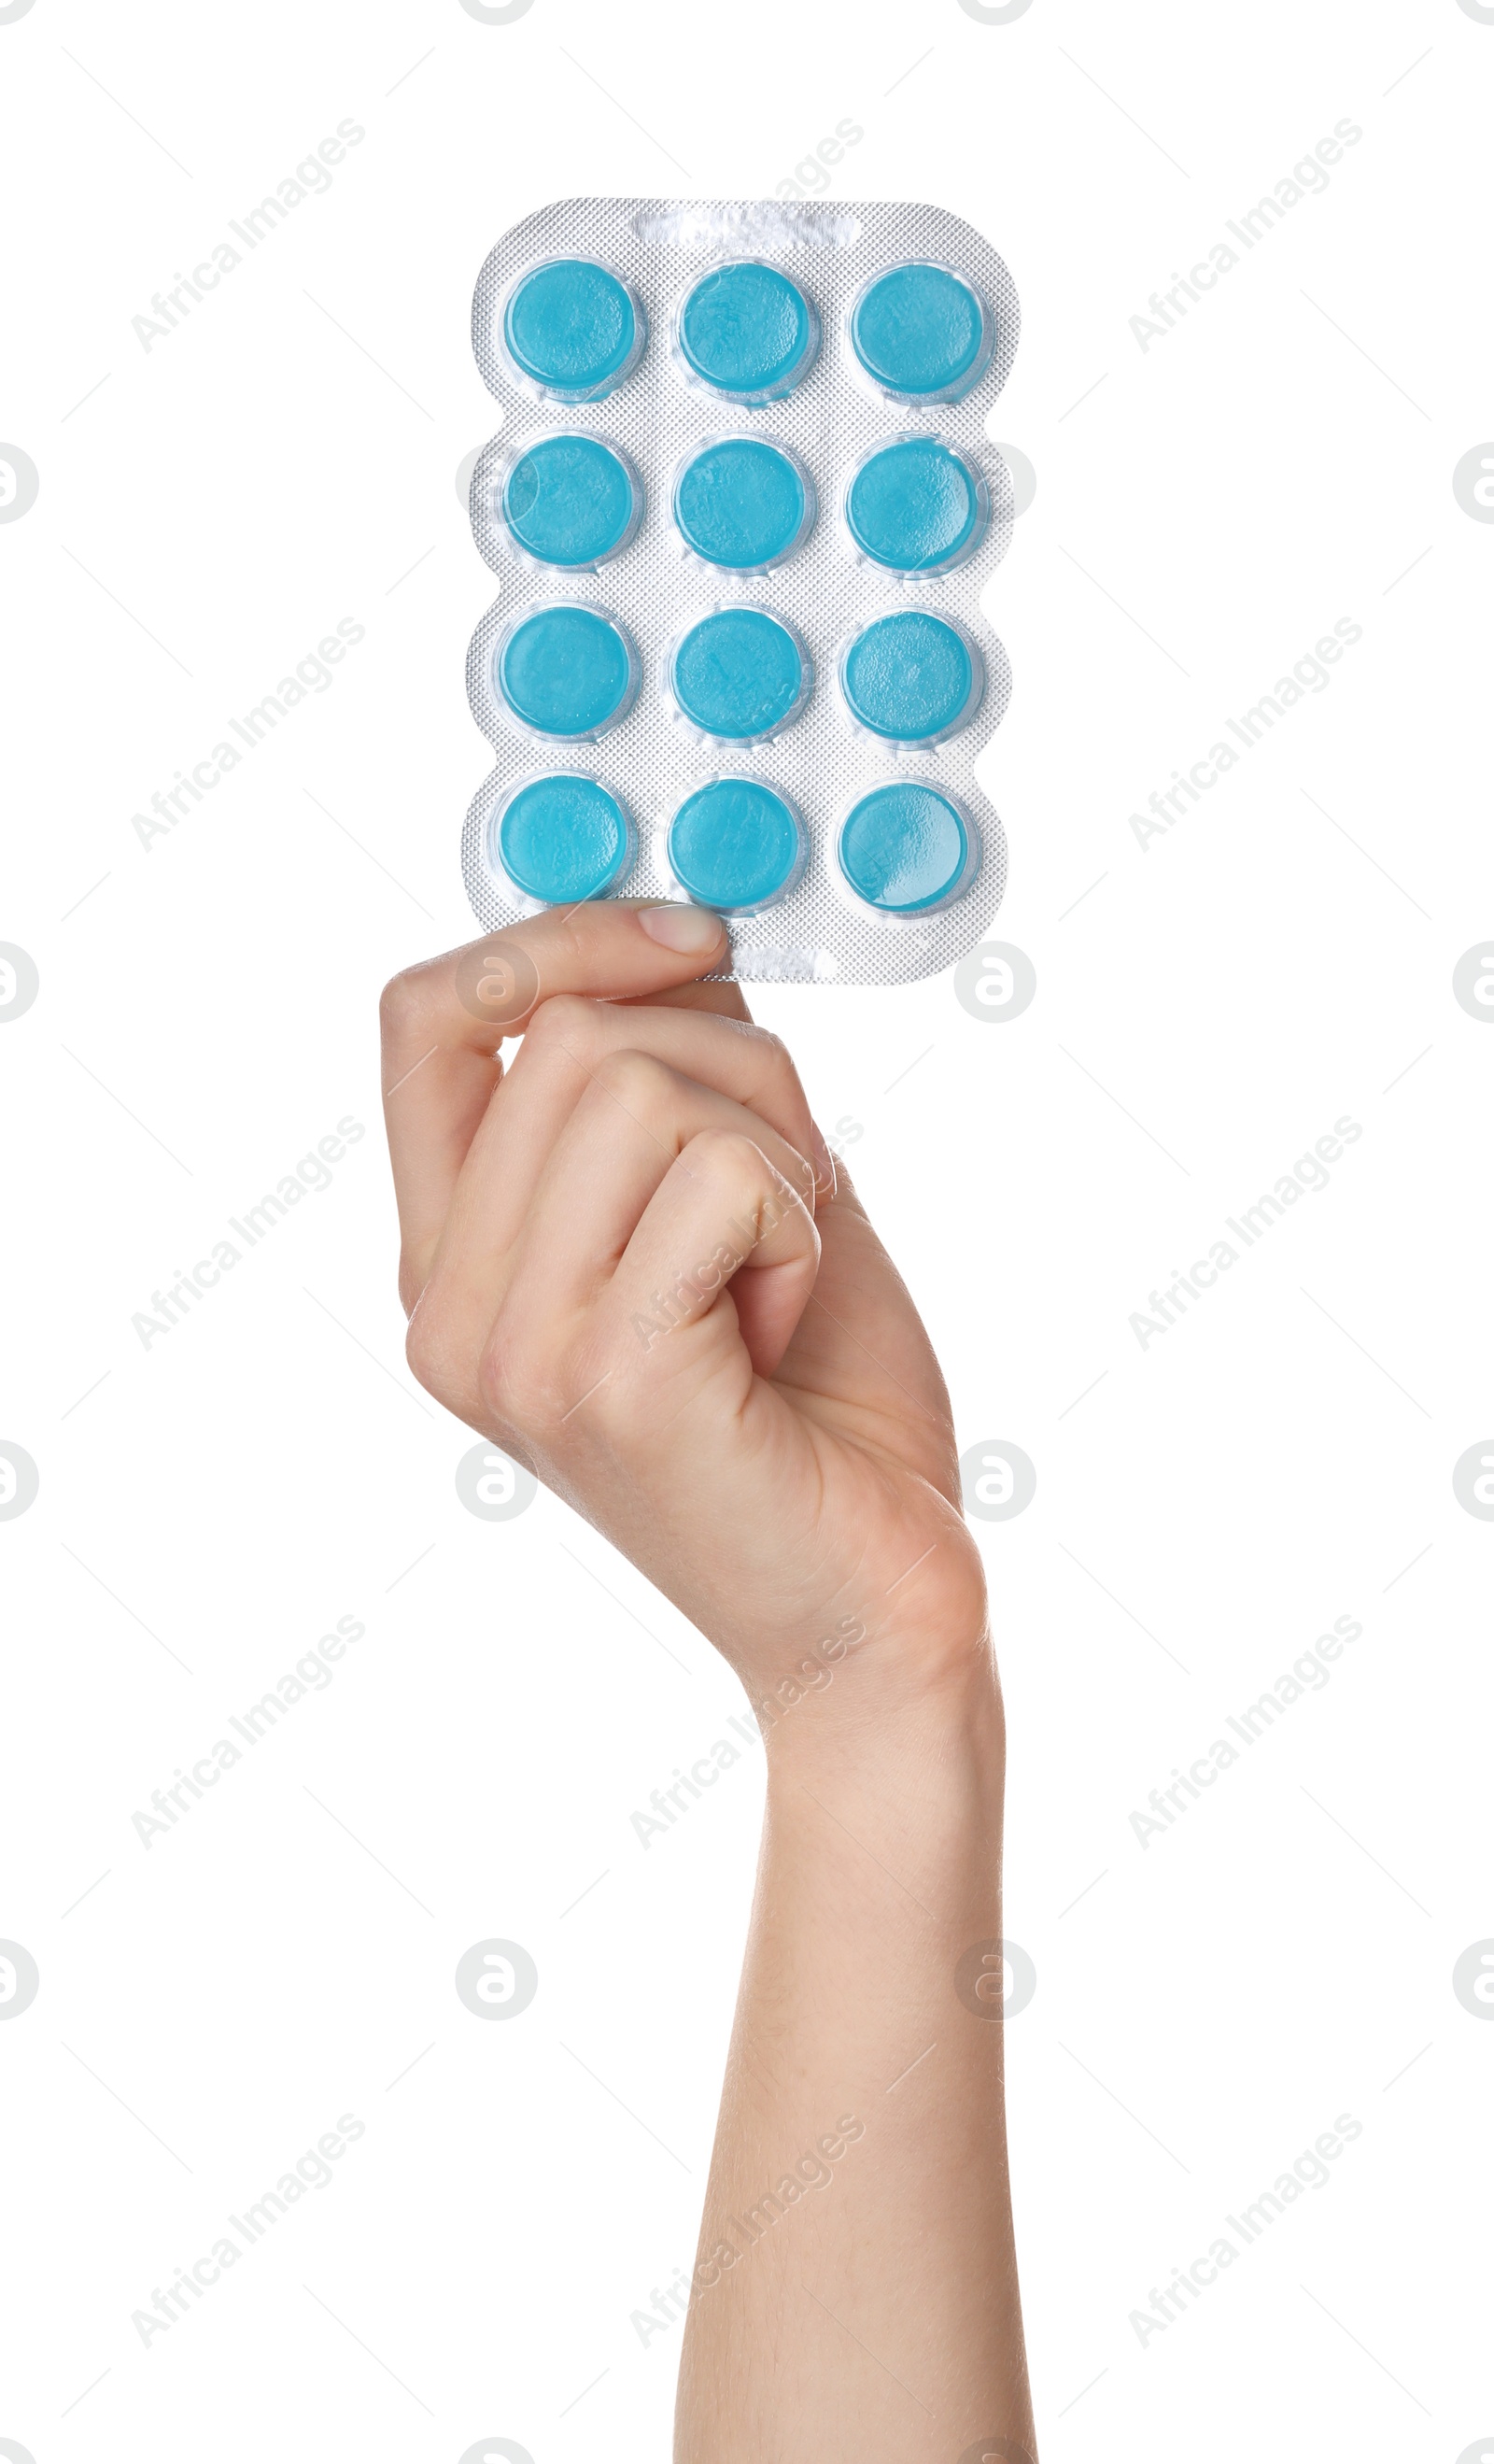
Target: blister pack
{"points": [[741, 508]]}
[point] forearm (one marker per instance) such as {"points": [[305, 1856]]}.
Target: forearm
{"points": [[856, 2292]]}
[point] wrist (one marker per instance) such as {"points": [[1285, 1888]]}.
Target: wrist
{"points": [[904, 1704], [876, 1655], [899, 1811]]}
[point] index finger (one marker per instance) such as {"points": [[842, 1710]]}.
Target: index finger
{"points": [[442, 1022]]}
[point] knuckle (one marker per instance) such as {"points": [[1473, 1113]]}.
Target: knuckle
{"points": [[516, 1375], [432, 1346], [402, 999], [778, 1060], [727, 1156], [770, 1053], [565, 1022], [747, 1030], [631, 1077], [781, 1084], [571, 938], [548, 1385]]}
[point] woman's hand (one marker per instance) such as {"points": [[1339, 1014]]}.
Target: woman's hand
{"points": [[627, 1261]]}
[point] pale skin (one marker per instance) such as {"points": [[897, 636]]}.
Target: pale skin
{"points": [[628, 1261]]}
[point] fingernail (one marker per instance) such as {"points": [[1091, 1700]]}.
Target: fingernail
{"points": [[690, 929], [822, 1159]]}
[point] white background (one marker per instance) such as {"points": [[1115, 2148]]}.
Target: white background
{"points": [[1206, 508]]}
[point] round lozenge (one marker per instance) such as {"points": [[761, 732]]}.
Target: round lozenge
{"points": [[743, 504], [747, 332], [911, 678], [562, 838], [904, 849], [916, 506], [736, 845], [921, 333], [571, 501], [572, 329], [740, 674], [565, 671]]}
